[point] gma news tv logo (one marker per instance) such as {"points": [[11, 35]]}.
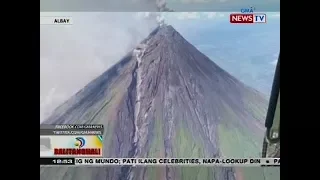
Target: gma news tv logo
{"points": [[248, 17]]}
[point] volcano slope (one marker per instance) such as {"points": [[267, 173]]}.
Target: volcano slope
{"points": [[165, 99]]}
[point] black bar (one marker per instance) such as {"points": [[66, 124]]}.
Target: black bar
{"points": [[57, 161]]}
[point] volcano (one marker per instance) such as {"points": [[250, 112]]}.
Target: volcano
{"points": [[166, 99]]}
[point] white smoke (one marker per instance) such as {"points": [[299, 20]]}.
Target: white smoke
{"points": [[160, 19]]}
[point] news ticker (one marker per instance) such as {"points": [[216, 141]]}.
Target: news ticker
{"points": [[226, 162]]}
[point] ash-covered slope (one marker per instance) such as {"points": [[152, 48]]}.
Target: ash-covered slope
{"points": [[166, 99]]}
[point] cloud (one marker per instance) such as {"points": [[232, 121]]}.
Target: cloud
{"points": [[211, 14], [195, 1], [72, 56], [274, 62], [142, 15], [172, 16], [188, 15], [275, 15]]}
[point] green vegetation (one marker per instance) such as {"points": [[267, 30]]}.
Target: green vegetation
{"points": [[256, 111], [106, 114], [236, 140], [156, 150], [272, 173], [192, 173], [256, 104], [252, 173], [205, 173], [157, 144], [186, 146], [259, 173], [234, 143], [154, 173]]}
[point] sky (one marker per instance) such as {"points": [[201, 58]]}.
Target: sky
{"points": [[71, 56]]}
